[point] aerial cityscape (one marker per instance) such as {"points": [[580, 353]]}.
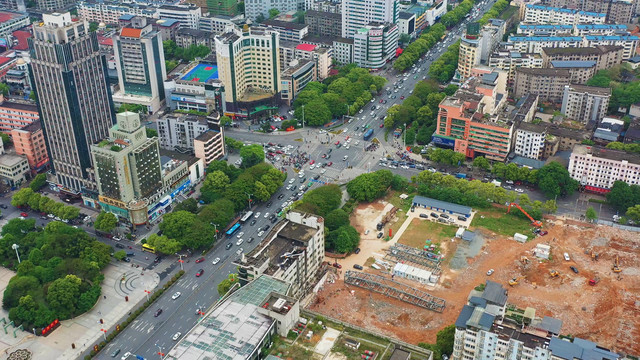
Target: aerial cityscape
{"points": [[320, 179]]}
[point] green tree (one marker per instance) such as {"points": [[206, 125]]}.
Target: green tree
{"points": [[481, 163], [633, 213], [105, 222], [321, 200], [554, 180], [177, 224], [550, 206], [4, 89], [233, 144], [336, 219], [444, 339], [120, 255], [251, 155], [151, 133], [369, 186], [591, 214], [226, 284], [62, 294], [221, 212], [190, 205], [273, 13], [344, 239], [93, 26], [21, 197], [136, 108], [623, 196], [6, 139], [225, 121], [404, 38], [163, 244]]}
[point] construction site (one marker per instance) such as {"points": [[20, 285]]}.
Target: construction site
{"points": [[586, 275]]}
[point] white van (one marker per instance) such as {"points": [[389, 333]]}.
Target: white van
{"points": [[345, 158]]}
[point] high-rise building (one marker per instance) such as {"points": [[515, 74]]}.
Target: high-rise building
{"points": [[255, 8], [140, 64], [70, 78], [357, 14], [248, 63], [375, 44], [127, 165], [222, 7], [51, 5], [477, 44], [585, 103], [29, 141], [13, 5]]}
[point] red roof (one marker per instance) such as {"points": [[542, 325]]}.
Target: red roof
{"points": [[130, 32], [107, 41], [6, 16], [22, 37], [4, 60], [306, 47]]}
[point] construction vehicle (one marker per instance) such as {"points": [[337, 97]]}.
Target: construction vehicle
{"points": [[515, 280], [616, 266], [594, 281], [524, 260], [554, 273], [593, 254], [534, 222]]}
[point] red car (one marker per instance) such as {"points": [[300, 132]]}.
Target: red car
{"points": [[324, 156], [24, 214], [199, 273], [330, 163], [381, 125], [199, 260], [543, 233], [312, 162], [381, 100], [347, 138], [402, 97], [336, 265], [338, 142], [279, 152]]}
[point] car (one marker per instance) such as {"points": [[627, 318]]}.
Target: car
{"points": [[313, 166], [402, 97], [200, 272], [312, 162], [303, 180], [199, 260], [177, 336], [337, 142], [444, 216], [381, 126], [380, 234], [574, 269], [324, 156], [266, 215], [253, 222], [157, 313], [509, 182], [266, 227], [24, 214], [240, 234], [566, 257], [490, 272], [424, 216], [228, 246], [125, 356], [543, 233], [336, 265], [257, 215], [239, 242], [157, 259], [518, 190], [357, 251], [176, 295], [260, 233], [291, 180], [239, 252], [300, 176], [115, 353], [279, 198], [250, 240], [330, 163], [269, 204], [120, 246], [50, 216], [323, 171], [359, 267], [3, 206], [127, 259], [316, 177], [462, 218]]}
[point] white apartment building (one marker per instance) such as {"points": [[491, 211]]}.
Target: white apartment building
{"points": [[253, 8], [529, 141], [585, 103], [343, 51], [572, 30], [375, 44], [535, 44], [12, 20], [177, 131], [600, 29], [292, 251], [544, 30], [217, 24], [188, 15], [628, 42], [109, 12], [509, 60], [357, 14], [597, 168], [540, 14]]}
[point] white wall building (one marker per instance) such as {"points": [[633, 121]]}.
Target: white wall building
{"points": [[628, 42], [597, 168], [110, 12], [357, 14], [253, 8], [540, 14], [177, 131], [585, 103], [187, 15], [530, 140], [374, 45]]}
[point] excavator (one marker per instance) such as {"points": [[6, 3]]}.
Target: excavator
{"points": [[616, 266], [515, 280], [554, 273], [534, 222], [524, 260]]}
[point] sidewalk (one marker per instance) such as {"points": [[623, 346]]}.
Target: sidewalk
{"points": [[84, 330]]}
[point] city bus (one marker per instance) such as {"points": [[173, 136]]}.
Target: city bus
{"points": [[246, 217], [148, 248], [233, 229]]}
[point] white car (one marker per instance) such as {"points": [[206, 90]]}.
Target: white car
{"points": [[176, 295], [518, 190], [177, 336], [357, 142], [301, 175], [125, 356], [257, 215], [323, 171], [261, 233], [239, 251], [312, 167], [216, 261], [566, 257], [347, 147], [239, 242], [489, 272], [292, 180], [266, 215], [360, 112], [240, 234]]}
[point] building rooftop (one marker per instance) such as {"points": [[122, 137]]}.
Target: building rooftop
{"points": [[299, 67], [126, 17], [536, 128], [306, 47], [563, 10], [18, 106], [406, 15], [167, 22], [324, 14], [601, 27], [568, 132], [611, 37], [207, 135], [6, 15], [285, 24], [600, 152], [168, 155], [429, 202], [592, 50], [530, 163], [327, 40], [590, 89], [551, 325], [33, 127], [544, 72], [510, 330], [399, 354], [562, 64], [194, 32], [545, 27], [22, 37], [545, 38], [234, 328], [579, 349], [494, 293], [634, 60], [9, 160]]}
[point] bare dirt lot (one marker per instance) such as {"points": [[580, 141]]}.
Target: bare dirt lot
{"points": [[608, 313]]}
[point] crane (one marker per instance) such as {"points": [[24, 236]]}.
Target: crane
{"points": [[616, 266], [534, 222]]}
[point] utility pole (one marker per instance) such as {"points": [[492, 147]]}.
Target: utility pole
{"points": [[180, 261], [249, 195], [303, 116]]}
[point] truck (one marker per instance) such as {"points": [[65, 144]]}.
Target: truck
{"points": [[461, 175], [368, 134]]}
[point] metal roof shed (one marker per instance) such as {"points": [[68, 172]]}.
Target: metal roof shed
{"points": [[441, 206]]}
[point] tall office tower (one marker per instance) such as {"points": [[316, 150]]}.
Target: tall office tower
{"points": [[357, 14], [69, 76], [139, 59], [222, 7]]}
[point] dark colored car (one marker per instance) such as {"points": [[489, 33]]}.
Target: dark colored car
{"points": [[543, 233], [127, 259], [3, 206], [157, 313], [200, 272], [274, 220], [316, 177], [269, 204], [359, 267], [199, 260], [280, 196], [444, 216], [380, 234], [157, 259], [424, 216], [266, 227], [120, 246], [357, 251], [462, 218], [253, 222], [250, 239], [574, 269], [229, 245], [434, 215], [131, 254]]}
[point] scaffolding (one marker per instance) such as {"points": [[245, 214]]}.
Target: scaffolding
{"points": [[431, 256], [394, 290], [399, 255]]}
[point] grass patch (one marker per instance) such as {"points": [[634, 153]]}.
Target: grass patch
{"points": [[421, 230], [292, 352], [300, 140], [508, 12], [498, 221], [401, 216], [351, 354], [597, 201], [366, 336]]}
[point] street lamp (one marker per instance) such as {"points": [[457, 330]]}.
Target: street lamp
{"points": [[215, 230], [147, 292], [160, 351], [249, 195], [404, 138], [104, 333], [303, 116], [15, 247]]}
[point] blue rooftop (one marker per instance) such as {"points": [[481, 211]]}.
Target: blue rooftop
{"points": [[545, 38], [579, 349], [572, 64], [635, 59], [601, 26], [546, 26], [611, 37], [167, 22], [126, 17]]}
